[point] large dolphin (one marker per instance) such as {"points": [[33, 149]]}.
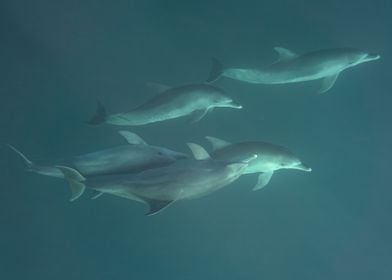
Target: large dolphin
{"points": [[194, 100], [160, 187], [270, 157], [290, 67], [134, 157]]}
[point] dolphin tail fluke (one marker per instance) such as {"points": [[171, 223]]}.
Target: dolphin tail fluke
{"points": [[100, 115], [29, 165], [216, 70], [75, 181]]}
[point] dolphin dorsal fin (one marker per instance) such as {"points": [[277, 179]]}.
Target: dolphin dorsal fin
{"points": [[284, 54], [198, 151], [217, 143], [158, 87], [132, 138]]}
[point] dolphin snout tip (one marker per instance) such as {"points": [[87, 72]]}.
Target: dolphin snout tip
{"points": [[304, 167], [373, 56], [236, 105]]}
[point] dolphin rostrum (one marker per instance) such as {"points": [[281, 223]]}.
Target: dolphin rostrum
{"points": [[160, 187], [194, 100], [270, 158], [131, 158], [290, 67]]}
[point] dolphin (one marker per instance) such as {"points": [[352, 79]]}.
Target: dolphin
{"points": [[290, 67], [160, 187], [270, 158], [131, 158], [194, 100]]}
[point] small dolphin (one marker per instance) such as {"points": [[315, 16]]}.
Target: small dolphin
{"points": [[160, 187], [135, 157], [292, 68], [270, 158], [194, 100]]}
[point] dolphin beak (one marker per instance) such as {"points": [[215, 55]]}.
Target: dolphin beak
{"points": [[234, 105], [372, 56], [303, 167]]}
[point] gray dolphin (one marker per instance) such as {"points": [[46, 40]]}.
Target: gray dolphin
{"points": [[160, 187], [292, 68], [134, 157], [194, 100], [270, 157]]}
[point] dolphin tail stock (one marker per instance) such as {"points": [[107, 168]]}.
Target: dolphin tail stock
{"points": [[29, 165], [216, 70], [100, 115], [47, 170], [75, 181]]}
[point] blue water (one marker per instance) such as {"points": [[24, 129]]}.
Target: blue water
{"points": [[58, 57]]}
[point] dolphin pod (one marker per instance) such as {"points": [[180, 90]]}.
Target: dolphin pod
{"points": [[158, 176]]}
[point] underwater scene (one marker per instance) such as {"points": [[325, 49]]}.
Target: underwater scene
{"points": [[195, 140]]}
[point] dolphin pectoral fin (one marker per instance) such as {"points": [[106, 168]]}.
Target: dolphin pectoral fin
{"points": [[328, 82], [217, 143], [75, 181], [132, 138], [97, 194], [158, 87], [284, 54], [198, 151], [262, 180], [216, 71], [156, 206], [197, 115]]}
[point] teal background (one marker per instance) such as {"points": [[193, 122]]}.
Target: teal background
{"points": [[58, 57]]}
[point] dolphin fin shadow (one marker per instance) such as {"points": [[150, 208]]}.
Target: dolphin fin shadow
{"points": [[100, 115], [216, 71]]}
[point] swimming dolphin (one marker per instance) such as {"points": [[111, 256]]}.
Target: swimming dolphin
{"points": [[292, 68], [270, 158], [160, 187], [194, 100], [131, 158]]}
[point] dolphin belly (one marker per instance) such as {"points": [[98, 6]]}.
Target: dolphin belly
{"points": [[187, 179], [143, 117]]}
